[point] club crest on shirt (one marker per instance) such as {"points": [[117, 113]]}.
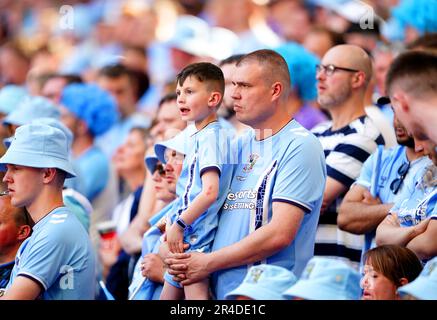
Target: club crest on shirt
{"points": [[251, 162]]}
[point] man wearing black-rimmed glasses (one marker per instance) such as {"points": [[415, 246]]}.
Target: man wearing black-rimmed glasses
{"points": [[348, 140], [380, 184]]}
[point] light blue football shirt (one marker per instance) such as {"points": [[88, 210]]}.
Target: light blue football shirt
{"points": [[209, 149], [420, 201], [391, 160], [288, 167], [377, 174], [59, 257]]}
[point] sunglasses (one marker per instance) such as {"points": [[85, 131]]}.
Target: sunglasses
{"points": [[402, 172], [160, 168]]}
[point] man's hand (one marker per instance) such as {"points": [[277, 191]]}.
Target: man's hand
{"points": [[188, 268], [153, 267], [368, 199]]}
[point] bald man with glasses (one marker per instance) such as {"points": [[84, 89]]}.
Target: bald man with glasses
{"points": [[348, 140]]}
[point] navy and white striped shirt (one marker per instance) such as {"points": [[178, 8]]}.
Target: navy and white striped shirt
{"points": [[345, 150]]}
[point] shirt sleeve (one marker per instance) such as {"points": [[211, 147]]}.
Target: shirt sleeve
{"points": [[344, 163], [365, 178], [213, 149], [301, 176], [45, 260]]}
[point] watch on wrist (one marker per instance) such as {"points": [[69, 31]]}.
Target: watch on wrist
{"points": [[181, 223]]}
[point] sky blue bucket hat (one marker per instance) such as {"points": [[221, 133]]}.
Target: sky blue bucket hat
{"points": [[326, 279], [38, 146], [11, 97], [32, 108], [424, 287], [264, 282]]}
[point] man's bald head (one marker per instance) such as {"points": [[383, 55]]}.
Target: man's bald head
{"points": [[352, 57]]}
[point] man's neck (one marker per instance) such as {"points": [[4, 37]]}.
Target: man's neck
{"points": [[413, 155], [48, 200], [8, 254], [273, 125], [344, 114], [204, 122]]}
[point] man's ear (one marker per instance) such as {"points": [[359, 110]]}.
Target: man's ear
{"points": [[23, 232], [402, 101], [359, 79], [403, 281], [277, 90], [214, 99], [49, 174]]}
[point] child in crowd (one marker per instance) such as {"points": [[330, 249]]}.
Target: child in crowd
{"points": [[205, 177]]}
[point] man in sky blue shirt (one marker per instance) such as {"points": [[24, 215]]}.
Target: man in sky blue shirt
{"points": [[57, 261], [271, 211], [383, 177]]}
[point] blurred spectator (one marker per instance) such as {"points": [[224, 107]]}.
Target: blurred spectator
{"points": [[14, 65], [88, 112], [124, 87], [302, 67], [226, 110], [53, 86], [30, 108], [15, 227], [320, 39], [236, 17], [290, 19], [129, 162]]}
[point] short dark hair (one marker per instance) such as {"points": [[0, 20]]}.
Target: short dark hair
{"points": [[427, 41], [274, 64], [139, 80], [206, 72], [168, 97], [231, 60], [415, 72], [22, 217]]}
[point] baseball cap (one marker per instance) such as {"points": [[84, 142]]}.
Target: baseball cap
{"points": [[32, 108], [178, 143], [264, 282], [151, 161], [326, 279], [38, 146], [424, 287]]}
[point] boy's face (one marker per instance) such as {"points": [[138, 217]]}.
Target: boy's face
{"points": [[192, 99], [23, 183]]}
